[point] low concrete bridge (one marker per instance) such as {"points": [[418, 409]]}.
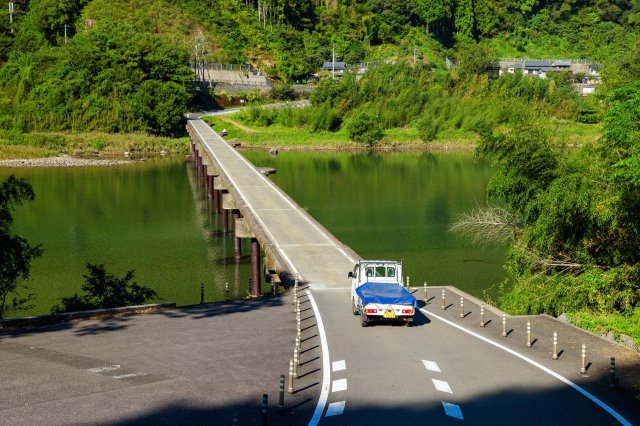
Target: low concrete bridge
{"points": [[450, 367], [295, 244]]}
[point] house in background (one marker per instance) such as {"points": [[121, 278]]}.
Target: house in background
{"points": [[337, 68], [539, 69]]}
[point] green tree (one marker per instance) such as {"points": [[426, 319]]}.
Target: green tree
{"points": [[15, 252], [465, 22], [104, 290]]}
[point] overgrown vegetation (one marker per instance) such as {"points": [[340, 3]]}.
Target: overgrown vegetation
{"points": [[575, 222]]}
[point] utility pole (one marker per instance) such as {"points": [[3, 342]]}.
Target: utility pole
{"points": [[11, 15], [204, 60], [333, 62], [195, 56]]}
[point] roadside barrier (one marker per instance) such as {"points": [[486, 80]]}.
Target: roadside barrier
{"points": [[461, 307], [296, 362], [482, 324], [290, 390], [265, 409], [555, 346], [281, 394], [583, 369], [612, 373], [442, 306], [528, 334]]}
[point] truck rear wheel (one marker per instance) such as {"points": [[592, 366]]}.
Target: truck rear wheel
{"points": [[363, 321]]}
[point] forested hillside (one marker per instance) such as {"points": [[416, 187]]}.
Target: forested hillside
{"points": [[123, 65]]}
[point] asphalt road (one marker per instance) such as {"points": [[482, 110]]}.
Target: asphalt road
{"points": [[435, 373]]}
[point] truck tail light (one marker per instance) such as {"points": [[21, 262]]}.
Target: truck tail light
{"points": [[371, 311], [407, 311]]}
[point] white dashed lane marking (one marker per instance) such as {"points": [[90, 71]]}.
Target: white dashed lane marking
{"points": [[452, 410], [441, 385], [339, 385], [335, 408], [431, 366]]}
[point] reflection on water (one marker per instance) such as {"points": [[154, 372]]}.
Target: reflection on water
{"points": [[142, 216], [154, 217], [397, 205]]}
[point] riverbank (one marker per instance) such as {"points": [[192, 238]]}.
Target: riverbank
{"points": [[61, 161]]}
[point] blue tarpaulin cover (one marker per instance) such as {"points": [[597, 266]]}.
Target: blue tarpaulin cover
{"points": [[385, 293]]}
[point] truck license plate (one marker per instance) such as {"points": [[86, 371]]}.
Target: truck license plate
{"points": [[389, 314]]}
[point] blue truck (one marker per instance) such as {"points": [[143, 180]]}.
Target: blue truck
{"points": [[378, 293]]}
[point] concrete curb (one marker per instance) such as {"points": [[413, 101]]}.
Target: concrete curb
{"points": [[25, 322]]}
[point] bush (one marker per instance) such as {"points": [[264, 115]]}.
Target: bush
{"points": [[283, 92], [364, 128], [427, 129]]}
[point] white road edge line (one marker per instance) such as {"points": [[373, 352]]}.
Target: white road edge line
{"points": [[563, 379], [326, 372]]}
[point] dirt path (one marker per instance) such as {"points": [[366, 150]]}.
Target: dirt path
{"points": [[235, 123]]}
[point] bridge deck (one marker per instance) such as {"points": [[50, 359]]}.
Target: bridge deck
{"points": [[307, 247]]}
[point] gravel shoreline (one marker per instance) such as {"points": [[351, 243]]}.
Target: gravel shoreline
{"points": [[61, 162]]}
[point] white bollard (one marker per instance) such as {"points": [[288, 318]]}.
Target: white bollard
{"points": [[528, 334], [481, 315], [555, 346], [583, 369], [504, 325]]}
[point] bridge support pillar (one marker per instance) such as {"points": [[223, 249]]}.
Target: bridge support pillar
{"points": [[225, 220], [237, 241], [255, 268], [219, 189]]}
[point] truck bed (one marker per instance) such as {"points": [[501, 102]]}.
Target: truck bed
{"points": [[385, 293]]}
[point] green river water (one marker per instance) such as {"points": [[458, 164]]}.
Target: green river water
{"points": [[152, 217]]}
